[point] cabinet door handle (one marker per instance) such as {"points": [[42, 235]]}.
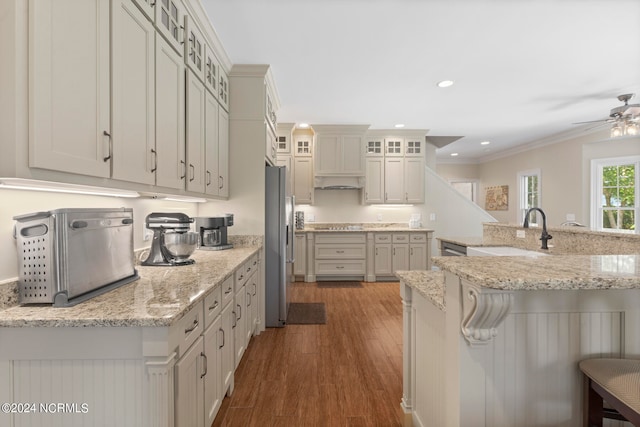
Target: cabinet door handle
{"points": [[255, 288], [222, 330], [386, 196], [249, 302], [193, 172], [184, 169], [235, 320], [214, 306], [376, 251], [155, 160], [193, 327], [411, 251], [206, 368], [208, 178], [182, 36], [110, 147], [221, 181], [239, 311], [406, 197], [394, 251]]}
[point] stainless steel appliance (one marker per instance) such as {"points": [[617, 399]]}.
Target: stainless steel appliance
{"points": [[279, 251], [212, 232], [172, 243], [67, 256]]}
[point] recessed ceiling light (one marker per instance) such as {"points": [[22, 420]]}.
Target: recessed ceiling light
{"points": [[445, 83], [485, 143], [454, 154], [303, 125], [399, 125]]}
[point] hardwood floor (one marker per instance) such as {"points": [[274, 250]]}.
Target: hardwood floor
{"points": [[345, 373]]}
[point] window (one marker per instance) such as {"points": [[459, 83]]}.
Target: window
{"points": [[469, 189], [614, 205], [529, 194]]}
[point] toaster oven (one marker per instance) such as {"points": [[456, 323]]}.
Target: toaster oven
{"points": [[67, 256]]}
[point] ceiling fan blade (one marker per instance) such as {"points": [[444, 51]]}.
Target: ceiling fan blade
{"points": [[591, 121], [596, 126]]}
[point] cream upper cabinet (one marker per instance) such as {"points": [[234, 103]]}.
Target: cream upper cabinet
{"points": [[394, 147], [339, 150], [169, 18], [303, 180], [69, 88], [170, 114], [374, 184], [135, 158], [211, 145], [223, 89], [195, 133], [414, 179], [194, 48], [223, 153], [374, 147], [303, 145], [394, 180], [211, 72]]}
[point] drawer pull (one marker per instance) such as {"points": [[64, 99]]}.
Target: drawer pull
{"points": [[193, 327], [206, 368], [214, 306], [340, 267], [241, 277], [339, 252], [228, 291]]}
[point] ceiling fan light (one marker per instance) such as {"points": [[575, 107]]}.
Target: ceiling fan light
{"points": [[631, 128], [616, 130]]}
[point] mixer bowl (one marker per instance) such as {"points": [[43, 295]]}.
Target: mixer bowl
{"points": [[181, 245]]}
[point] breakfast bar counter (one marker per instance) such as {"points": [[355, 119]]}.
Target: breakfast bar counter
{"points": [[495, 341]]}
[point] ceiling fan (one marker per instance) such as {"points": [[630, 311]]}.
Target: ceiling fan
{"points": [[625, 118]]}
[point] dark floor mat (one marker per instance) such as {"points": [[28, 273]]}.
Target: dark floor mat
{"points": [[339, 284], [307, 313]]}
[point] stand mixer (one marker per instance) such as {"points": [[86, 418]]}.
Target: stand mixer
{"points": [[172, 243]]}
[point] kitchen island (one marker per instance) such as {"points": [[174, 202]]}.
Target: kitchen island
{"points": [[495, 341], [146, 354]]}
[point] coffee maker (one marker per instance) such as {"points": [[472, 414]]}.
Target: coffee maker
{"points": [[212, 232]]}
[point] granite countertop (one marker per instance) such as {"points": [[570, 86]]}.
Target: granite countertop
{"points": [[465, 240], [161, 296], [429, 284], [350, 227], [561, 272]]}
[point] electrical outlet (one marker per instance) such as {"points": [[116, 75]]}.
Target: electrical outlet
{"points": [[520, 234], [379, 217], [571, 217]]}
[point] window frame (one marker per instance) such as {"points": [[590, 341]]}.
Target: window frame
{"points": [[596, 213], [522, 192]]}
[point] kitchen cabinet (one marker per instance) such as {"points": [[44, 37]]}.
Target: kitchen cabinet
{"points": [[340, 254], [171, 166], [194, 48], [251, 306], [223, 89], [213, 344], [303, 145], [394, 180], [375, 179], [239, 327], [374, 147], [394, 147], [70, 133], [195, 133], [400, 251], [189, 372], [168, 16], [284, 138], [404, 179], [271, 148], [134, 152], [227, 347], [300, 248], [211, 72], [338, 155], [303, 180], [216, 148]]}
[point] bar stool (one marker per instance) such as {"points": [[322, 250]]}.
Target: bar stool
{"points": [[617, 381]]}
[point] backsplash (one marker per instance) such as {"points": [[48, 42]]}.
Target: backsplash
{"points": [[8, 294], [566, 240]]}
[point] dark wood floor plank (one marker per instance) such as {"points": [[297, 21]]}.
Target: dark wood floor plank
{"points": [[347, 372]]}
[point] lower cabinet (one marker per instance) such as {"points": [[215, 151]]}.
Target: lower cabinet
{"points": [[240, 324], [340, 254], [399, 251], [213, 348], [300, 255], [190, 371]]}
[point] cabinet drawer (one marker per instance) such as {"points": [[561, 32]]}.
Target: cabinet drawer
{"points": [[188, 329], [213, 305], [251, 266], [382, 238], [354, 267], [418, 237], [400, 238], [227, 291], [340, 238], [340, 251]]}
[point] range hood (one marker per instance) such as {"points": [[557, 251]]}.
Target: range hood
{"points": [[339, 182]]}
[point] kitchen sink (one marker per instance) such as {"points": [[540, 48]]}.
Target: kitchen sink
{"points": [[502, 251]]}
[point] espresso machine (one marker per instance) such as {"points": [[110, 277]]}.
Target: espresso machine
{"points": [[212, 232], [172, 243]]}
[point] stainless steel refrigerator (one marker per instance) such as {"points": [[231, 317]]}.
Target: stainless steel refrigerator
{"points": [[278, 247]]}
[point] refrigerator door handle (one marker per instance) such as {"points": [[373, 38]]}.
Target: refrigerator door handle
{"points": [[291, 240]]}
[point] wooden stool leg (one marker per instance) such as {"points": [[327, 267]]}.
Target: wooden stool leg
{"points": [[592, 406]]}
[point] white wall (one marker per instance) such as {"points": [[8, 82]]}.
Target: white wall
{"points": [[17, 202], [565, 174]]}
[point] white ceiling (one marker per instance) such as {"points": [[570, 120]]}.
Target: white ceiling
{"points": [[523, 69]]}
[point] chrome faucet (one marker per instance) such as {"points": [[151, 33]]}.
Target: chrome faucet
{"points": [[545, 236]]}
